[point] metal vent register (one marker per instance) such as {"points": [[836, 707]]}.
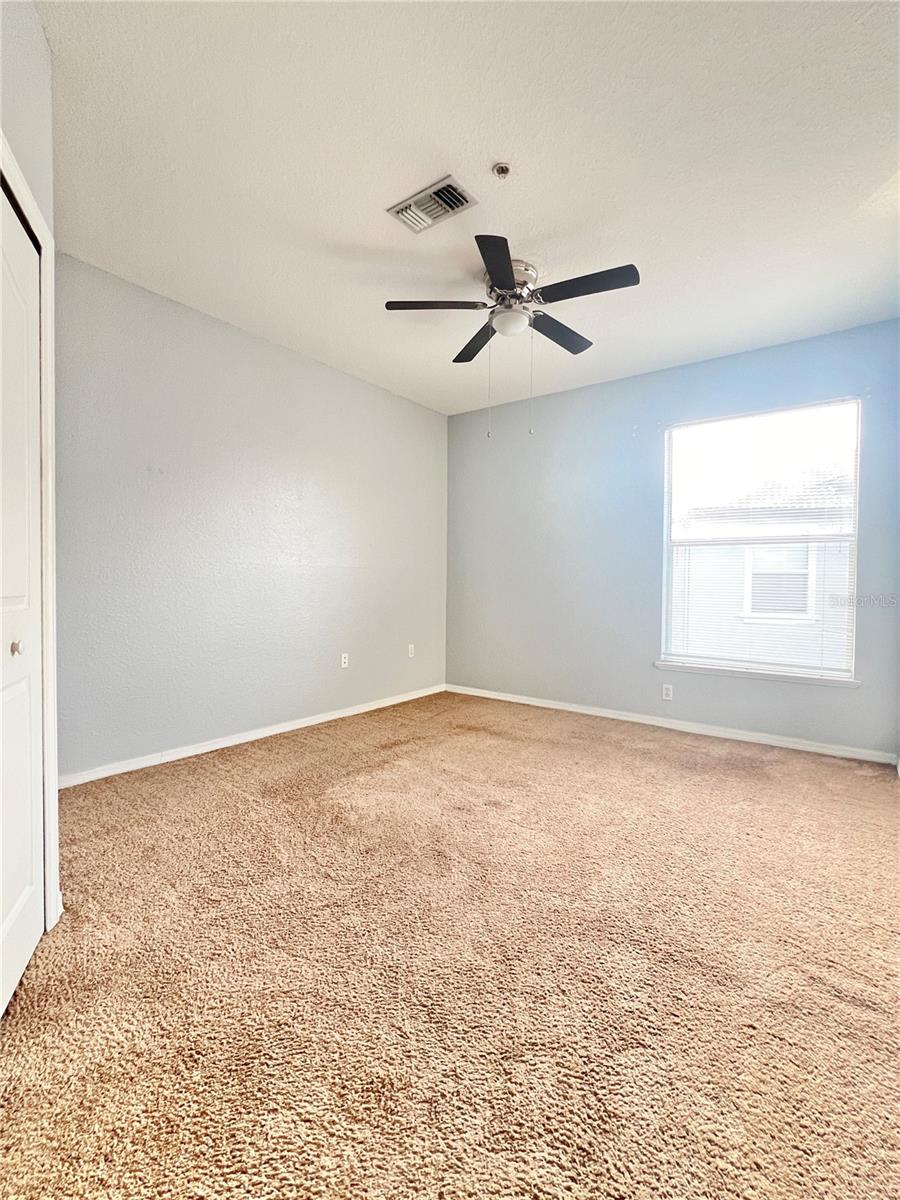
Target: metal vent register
{"points": [[433, 204]]}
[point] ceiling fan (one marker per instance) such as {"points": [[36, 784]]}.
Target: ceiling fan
{"points": [[511, 284]]}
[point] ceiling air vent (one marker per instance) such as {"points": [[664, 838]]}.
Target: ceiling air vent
{"points": [[434, 204]]}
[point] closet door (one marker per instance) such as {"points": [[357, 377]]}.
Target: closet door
{"points": [[21, 733]]}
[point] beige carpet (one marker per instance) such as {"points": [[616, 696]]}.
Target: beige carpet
{"points": [[465, 949]]}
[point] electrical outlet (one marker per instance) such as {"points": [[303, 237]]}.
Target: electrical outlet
{"points": [[412, 650], [667, 691], [345, 660]]}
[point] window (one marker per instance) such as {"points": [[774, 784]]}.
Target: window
{"points": [[761, 542]]}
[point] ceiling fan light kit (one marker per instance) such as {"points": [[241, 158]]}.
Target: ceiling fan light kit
{"points": [[510, 321], [512, 285]]}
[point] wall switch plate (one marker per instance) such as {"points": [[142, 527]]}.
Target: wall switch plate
{"points": [[412, 650], [345, 660], [667, 691]]}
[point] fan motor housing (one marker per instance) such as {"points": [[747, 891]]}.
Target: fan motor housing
{"points": [[526, 277]]}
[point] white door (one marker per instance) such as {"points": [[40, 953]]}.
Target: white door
{"points": [[21, 734]]}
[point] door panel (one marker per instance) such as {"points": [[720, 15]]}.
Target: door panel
{"points": [[21, 804]]}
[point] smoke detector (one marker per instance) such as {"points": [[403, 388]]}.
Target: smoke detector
{"points": [[433, 204]]}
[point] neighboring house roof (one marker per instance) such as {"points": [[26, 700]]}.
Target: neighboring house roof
{"points": [[824, 495]]}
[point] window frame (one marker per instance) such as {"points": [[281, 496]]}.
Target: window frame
{"points": [[786, 672]]}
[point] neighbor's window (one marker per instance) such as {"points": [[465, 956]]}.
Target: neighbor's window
{"points": [[780, 582], [761, 542]]}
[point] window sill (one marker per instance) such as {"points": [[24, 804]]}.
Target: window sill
{"points": [[755, 673]]}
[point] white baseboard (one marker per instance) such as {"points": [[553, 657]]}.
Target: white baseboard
{"points": [[718, 731], [236, 739], [54, 910]]}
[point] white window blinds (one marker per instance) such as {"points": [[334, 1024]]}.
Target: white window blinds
{"points": [[761, 542]]}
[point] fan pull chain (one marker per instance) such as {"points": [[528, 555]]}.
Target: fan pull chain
{"points": [[531, 386], [490, 414]]}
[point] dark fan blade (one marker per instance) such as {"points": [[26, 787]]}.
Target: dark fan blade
{"points": [[498, 264], [394, 305], [588, 285], [478, 342], [559, 333]]}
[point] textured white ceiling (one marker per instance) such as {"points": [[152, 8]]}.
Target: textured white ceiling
{"points": [[239, 158]]}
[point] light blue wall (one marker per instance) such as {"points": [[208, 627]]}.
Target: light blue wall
{"points": [[555, 542], [25, 99], [231, 516]]}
